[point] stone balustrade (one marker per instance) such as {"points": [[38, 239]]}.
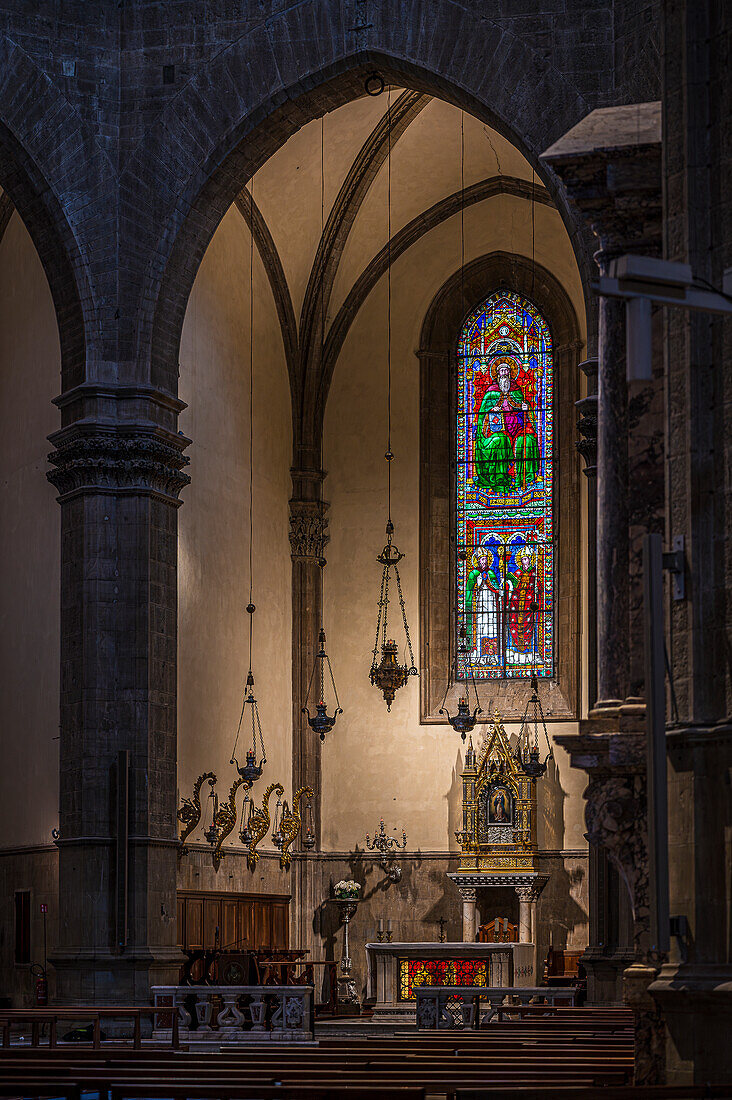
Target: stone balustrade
{"points": [[453, 1006], [239, 1013]]}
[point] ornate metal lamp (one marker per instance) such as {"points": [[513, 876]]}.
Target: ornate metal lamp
{"points": [[387, 674], [321, 722], [252, 769], [308, 839], [277, 837], [463, 722], [528, 755], [212, 832], [387, 847]]}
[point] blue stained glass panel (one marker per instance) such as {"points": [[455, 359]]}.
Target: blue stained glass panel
{"points": [[505, 547]]}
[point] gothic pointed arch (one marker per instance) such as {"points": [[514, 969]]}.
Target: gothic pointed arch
{"points": [[282, 73], [439, 565]]}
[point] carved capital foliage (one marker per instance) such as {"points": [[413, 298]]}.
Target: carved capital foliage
{"points": [[467, 893], [308, 530], [527, 893], [132, 459], [587, 428]]}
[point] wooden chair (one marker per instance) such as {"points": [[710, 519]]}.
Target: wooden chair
{"points": [[562, 967], [499, 930]]}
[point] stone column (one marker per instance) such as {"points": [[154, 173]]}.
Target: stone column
{"points": [[528, 897], [468, 894], [524, 895], [612, 503], [118, 483], [587, 447], [308, 539]]}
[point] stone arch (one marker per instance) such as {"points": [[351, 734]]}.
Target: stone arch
{"points": [[41, 169], [452, 303], [282, 73]]}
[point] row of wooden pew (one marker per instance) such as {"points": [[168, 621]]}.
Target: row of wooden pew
{"points": [[575, 1049]]}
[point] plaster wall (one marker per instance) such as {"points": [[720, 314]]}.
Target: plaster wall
{"points": [[287, 186], [30, 521], [377, 760], [426, 167], [214, 520]]}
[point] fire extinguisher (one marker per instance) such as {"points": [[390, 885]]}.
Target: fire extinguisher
{"points": [[41, 985]]}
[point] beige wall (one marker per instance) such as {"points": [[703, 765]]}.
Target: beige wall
{"points": [[214, 519], [379, 763], [30, 361]]}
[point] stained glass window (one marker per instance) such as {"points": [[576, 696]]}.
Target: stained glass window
{"points": [[505, 559], [414, 972]]}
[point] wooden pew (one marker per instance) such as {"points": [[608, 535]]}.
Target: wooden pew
{"points": [[52, 1016]]}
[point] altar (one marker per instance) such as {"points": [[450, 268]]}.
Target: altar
{"points": [[395, 970]]}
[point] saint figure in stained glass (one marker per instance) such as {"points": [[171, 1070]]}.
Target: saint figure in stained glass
{"points": [[505, 578]]}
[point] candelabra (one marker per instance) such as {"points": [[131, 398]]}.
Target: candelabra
{"points": [[387, 847]]}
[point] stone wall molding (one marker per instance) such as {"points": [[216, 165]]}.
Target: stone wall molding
{"points": [[132, 459]]}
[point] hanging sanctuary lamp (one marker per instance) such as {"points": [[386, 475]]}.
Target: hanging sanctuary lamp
{"points": [[252, 769], [528, 754], [321, 722], [463, 721], [387, 674]]}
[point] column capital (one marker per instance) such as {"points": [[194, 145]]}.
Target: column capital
{"points": [[468, 893], [308, 530], [132, 459]]}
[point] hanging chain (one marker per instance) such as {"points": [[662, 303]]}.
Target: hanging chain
{"points": [[250, 606], [412, 666]]}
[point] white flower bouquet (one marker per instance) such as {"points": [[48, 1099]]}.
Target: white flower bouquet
{"points": [[347, 888]]}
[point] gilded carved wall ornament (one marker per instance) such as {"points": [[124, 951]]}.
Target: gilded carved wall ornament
{"points": [[189, 811], [259, 822], [225, 820], [290, 825]]}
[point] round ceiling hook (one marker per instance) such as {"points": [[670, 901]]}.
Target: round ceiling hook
{"points": [[374, 84]]}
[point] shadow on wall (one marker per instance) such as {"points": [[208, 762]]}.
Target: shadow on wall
{"points": [[454, 798], [551, 797]]}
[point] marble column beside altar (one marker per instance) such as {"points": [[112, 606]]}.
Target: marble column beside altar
{"points": [[468, 896]]}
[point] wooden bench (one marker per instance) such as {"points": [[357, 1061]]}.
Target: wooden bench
{"points": [[38, 1017], [513, 1056]]}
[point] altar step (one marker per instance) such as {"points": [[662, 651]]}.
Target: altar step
{"points": [[362, 1027]]}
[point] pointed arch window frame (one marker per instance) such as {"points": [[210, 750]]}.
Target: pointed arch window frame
{"points": [[437, 354]]}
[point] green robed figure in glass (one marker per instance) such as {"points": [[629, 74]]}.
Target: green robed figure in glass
{"points": [[505, 434]]}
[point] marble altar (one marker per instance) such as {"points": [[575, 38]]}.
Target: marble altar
{"points": [[507, 964]]}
